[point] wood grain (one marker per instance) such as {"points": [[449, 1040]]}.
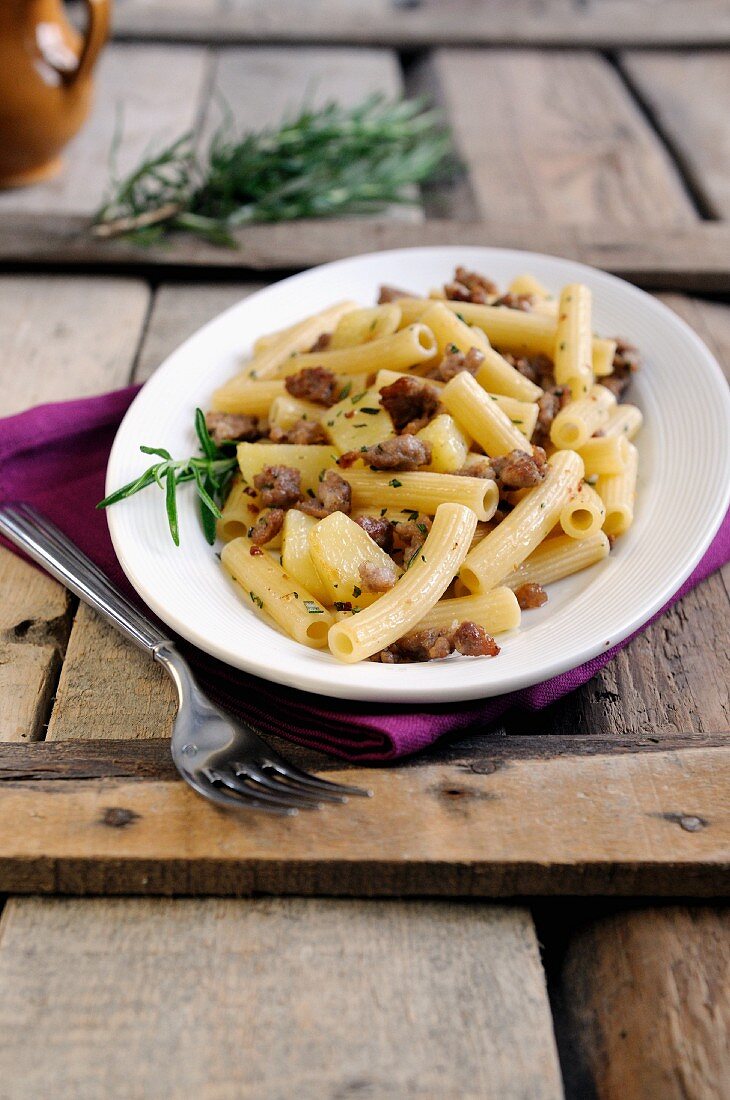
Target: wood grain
{"points": [[676, 675], [646, 993], [559, 138], [688, 94], [596, 23], [689, 257], [132, 99], [654, 823], [61, 338], [225, 1000]]}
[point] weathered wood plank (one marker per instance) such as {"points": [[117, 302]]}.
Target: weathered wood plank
{"points": [[645, 994], [557, 137], [129, 96], [61, 338], [595, 23], [676, 675], [281, 997], [689, 257], [655, 823], [688, 94]]}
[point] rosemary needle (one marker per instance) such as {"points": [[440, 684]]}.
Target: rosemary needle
{"points": [[328, 161]]}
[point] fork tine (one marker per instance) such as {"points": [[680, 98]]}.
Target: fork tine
{"points": [[240, 800], [291, 771], [261, 794], [283, 785]]}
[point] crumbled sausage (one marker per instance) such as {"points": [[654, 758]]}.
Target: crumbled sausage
{"points": [[379, 529], [525, 302], [411, 403], [314, 384], [456, 361], [333, 495], [322, 342], [376, 578], [402, 452], [409, 535], [549, 405], [280, 486], [538, 368], [479, 466], [301, 432], [626, 362], [433, 644], [267, 526], [530, 595], [470, 286], [520, 470], [229, 426], [392, 294]]}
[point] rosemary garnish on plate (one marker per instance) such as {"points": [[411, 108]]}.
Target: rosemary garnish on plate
{"points": [[326, 161], [210, 472]]}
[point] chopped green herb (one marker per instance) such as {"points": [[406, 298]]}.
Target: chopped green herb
{"points": [[395, 483], [345, 391], [422, 528], [330, 423], [413, 516], [257, 600], [452, 348], [356, 591], [312, 608], [461, 317], [516, 421], [370, 412], [310, 493], [563, 345], [383, 511], [358, 397], [373, 323]]}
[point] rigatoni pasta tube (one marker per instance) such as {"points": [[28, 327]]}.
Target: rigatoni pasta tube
{"points": [[285, 411], [238, 512], [449, 446], [584, 514], [403, 349], [360, 326], [309, 459], [496, 375], [339, 547], [399, 610], [523, 333], [496, 611], [625, 420], [605, 454], [421, 492], [525, 527], [575, 424], [556, 558], [481, 417], [244, 397], [618, 493], [452, 334], [270, 589], [295, 557], [573, 355], [294, 339], [523, 414]]}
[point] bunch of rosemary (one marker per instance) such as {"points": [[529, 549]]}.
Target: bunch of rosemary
{"points": [[326, 161]]}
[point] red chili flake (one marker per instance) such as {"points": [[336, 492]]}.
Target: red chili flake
{"points": [[249, 491], [343, 605], [349, 415], [256, 552], [253, 509]]}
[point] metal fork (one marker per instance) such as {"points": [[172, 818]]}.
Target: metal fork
{"points": [[222, 758]]}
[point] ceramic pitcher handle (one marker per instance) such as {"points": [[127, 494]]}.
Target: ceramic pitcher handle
{"points": [[97, 32]]}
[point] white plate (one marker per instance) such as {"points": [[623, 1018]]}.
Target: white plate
{"points": [[684, 484]]}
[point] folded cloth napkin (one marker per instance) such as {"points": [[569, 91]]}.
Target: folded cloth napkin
{"points": [[55, 457]]}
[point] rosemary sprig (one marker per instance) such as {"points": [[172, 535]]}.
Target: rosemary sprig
{"points": [[327, 161], [210, 472]]}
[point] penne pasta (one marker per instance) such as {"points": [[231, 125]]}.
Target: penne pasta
{"points": [[452, 334], [238, 513], [361, 326], [523, 414], [556, 558], [497, 376], [421, 492], [295, 557], [297, 338], [399, 610], [400, 351], [481, 416], [270, 589], [524, 527], [496, 611], [623, 420], [573, 356], [528, 284], [344, 556], [605, 454], [243, 397], [584, 514], [575, 424], [285, 411], [618, 493]]}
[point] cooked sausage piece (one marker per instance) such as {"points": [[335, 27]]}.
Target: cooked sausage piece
{"points": [[409, 535], [540, 369], [432, 644], [549, 405], [519, 470], [392, 294], [525, 302], [478, 467], [379, 529], [333, 495], [314, 384], [456, 361], [403, 452], [267, 526], [280, 486], [470, 286], [530, 595], [411, 403], [625, 362], [301, 431], [323, 341], [223, 427], [376, 578]]}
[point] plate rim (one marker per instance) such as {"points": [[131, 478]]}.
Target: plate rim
{"points": [[323, 683]]}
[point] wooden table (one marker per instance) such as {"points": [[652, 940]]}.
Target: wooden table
{"points": [[557, 989]]}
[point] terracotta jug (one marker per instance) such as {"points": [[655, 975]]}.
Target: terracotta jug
{"points": [[45, 83]]}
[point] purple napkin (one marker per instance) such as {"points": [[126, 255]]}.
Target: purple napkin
{"points": [[55, 457]]}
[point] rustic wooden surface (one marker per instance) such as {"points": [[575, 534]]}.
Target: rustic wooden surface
{"points": [[619, 161]]}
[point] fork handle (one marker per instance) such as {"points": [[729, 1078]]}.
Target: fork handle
{"points": [[49, 547]]}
